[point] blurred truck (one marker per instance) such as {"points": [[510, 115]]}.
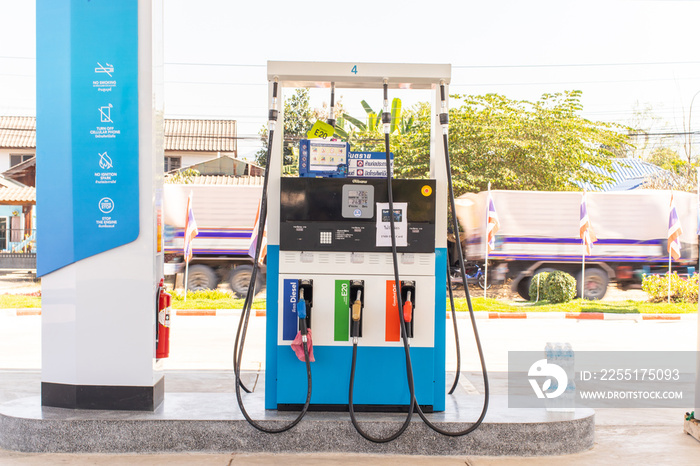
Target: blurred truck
{"points": [[539, 232], [225, 216]]}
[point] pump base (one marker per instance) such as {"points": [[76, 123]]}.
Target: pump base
{"points": [[212, 422], [70, 396], [357, 408]]}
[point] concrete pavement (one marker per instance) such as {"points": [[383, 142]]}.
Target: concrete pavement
{"points": [[201, 357]]}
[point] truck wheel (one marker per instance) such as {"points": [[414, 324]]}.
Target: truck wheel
{"points": [[201, 277], [240, 280], [524, 288], [595, 284]]}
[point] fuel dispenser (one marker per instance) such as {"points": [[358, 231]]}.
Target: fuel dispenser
{"points": [[331, 227], [356, 264]]}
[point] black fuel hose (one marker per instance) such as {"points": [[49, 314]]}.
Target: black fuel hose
{"points": [[454, 327], [462, 270], [409, 366], [247, 305], [386, 119]]}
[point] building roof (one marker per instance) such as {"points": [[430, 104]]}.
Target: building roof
{"points": [[17, 132], [180, 135], [10, 183], [18, 195], [20, 169], [225, 165], [201, 135], [627, 174], [222, 180]]}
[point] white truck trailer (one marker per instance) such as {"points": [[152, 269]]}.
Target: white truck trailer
{"points": [[539, 231], [225, 216]]}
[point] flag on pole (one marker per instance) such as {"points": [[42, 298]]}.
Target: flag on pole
{"points": [[254, 239], [698, 203], [674, 232], [190, 229], [585, 227], [492, 225]]}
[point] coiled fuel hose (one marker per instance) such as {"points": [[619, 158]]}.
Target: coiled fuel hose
{"points": [[247, 305]]}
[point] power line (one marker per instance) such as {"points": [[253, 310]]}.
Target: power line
{"points": [[670, 133], [531, 65], [534, 65], [570, 65], [452, 85], [216, 83], [457, 85], [239, 65]]}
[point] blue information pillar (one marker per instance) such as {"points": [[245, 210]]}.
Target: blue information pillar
{"points": [[99, 191]]}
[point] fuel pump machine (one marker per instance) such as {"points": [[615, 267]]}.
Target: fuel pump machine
{"points": [[329, 256]]}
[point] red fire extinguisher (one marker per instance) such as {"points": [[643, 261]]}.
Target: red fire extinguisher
{"points": [[163, 332]]}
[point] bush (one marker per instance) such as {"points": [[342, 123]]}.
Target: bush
{"points": [[682, 290], [537, 287], [559, 287]]}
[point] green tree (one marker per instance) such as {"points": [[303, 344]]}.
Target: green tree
{"points": [[679, 174], [298, 119], [668, 159], [513, 144], [369, 134]]}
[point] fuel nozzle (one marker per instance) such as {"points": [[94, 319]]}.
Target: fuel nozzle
{"points": [[305, 304], [408, 295], [357, 288], [408, 308], [301, 313], [356, 315], [357, 307]]}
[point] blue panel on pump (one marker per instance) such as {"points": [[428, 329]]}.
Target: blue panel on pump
{"points": [[289, 309], [87, 129], [380, 376]]}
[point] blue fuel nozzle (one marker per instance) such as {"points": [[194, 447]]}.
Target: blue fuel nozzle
{"points": [[301, 309]]}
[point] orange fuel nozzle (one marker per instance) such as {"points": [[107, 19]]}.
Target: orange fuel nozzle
{"points": [[408, 308]]}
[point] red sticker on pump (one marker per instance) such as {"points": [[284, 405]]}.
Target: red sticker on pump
{"points": [[393, 322]]}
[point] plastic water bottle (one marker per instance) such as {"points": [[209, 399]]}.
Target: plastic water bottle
{"points": [[569, 396], [549, 354], [561, 354]]}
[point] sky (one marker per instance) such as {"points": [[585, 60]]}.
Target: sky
{"points": [[625, 55]]}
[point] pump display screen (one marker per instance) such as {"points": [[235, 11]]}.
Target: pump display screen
{"points": [[324, 156], [358, 201], [357, 198]]}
